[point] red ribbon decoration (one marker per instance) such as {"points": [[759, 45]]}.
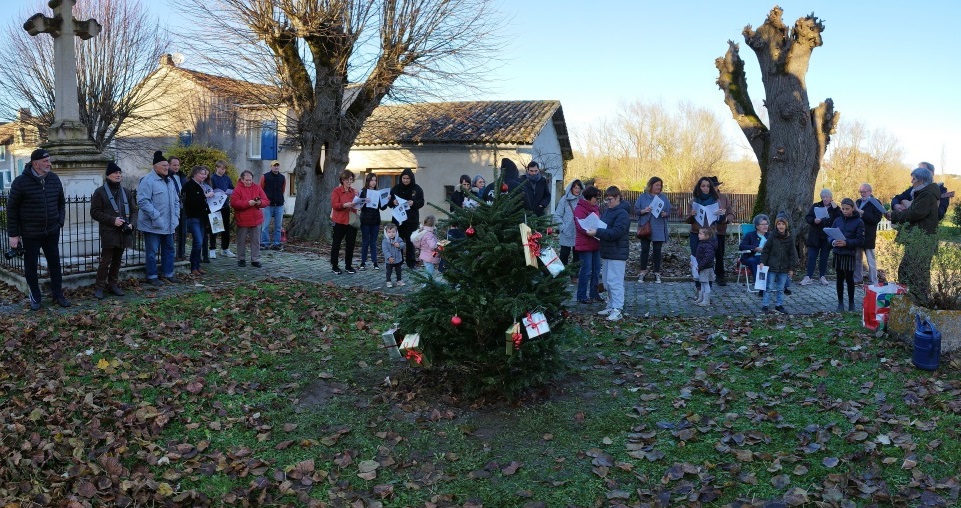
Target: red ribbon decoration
{"points": [[414, 355], [531, 323], [517, 338], [534, 244]]}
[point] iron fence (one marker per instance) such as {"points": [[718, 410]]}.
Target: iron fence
{"points": [[79, 241]]}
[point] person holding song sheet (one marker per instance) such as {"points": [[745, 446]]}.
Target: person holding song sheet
{"points": [[871, 211], [846, 236], [704, 212], [587, 249], [821, 215], [652, 209], [370, 220], [196, 193]]}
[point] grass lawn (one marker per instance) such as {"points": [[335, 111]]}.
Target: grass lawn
{"points": [[280, 394]]}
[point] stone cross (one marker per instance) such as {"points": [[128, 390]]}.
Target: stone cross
{"points": [[63, 27]]}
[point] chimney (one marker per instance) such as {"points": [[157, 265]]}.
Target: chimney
{"points": [[23, 114], [167, 60]]}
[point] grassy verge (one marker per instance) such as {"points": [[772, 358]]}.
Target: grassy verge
{"points": [[279, 394]]}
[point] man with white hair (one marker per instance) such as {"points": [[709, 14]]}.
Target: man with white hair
{"points": [[921, 213], [871, 215], [902, 201]]}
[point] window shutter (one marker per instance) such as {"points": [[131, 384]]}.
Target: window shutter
{"points": [[268, 140]]}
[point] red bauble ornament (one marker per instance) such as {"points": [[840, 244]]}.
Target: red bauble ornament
{"points": [[550, 231], [503, 187], [456, 320], [470, 231]]}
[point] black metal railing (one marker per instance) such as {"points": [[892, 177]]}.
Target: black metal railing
{"points": [[79, 241]]}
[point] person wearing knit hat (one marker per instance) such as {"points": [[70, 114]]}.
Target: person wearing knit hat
{"points": [[115, 210], [158, 200], [36, 210], [780, 256]]}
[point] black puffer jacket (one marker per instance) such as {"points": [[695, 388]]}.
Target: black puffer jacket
{"points": [[36, 206]]}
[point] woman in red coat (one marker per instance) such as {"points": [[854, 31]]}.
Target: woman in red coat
{"points": [[247, 201], [342, 208]]}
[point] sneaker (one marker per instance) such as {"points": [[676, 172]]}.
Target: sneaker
{"points": [[780, 308], [350, 270], [241, 262], [640, 278], [376, 266], [806, 281], [824, 281], [605, 311], [850, 307], [390, 284], [401, 283], [155, 282], [277, 247], [787, 292], [228, 253], [336, 270], [255, 264], [362, 267], [98, 294], [657, 278], [840, 307], [115, 289], [35, 306], [213, 254], [765, 310], [172, 279], [615, 315]]}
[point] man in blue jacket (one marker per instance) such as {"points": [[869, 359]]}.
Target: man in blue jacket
{"points": [[159, 202], [36, 211]]}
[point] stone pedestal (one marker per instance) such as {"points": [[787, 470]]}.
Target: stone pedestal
{"points": [[901, 322], [80, 167]]}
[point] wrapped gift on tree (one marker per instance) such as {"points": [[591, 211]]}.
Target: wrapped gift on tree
{"points": [[531, 241], [552, 261], [535, 324], [410, 348], [513, 338], [392, 339]]}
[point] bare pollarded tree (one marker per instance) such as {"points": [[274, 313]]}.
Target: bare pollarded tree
{"points": [[334, 61], [110, 67], [790, 148]]}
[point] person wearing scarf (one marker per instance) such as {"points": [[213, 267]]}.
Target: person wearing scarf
{"points": [[115, 210], [704, 194], [408, 191]]}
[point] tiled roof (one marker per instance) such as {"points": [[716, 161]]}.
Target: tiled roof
{"points": [[507, 122], [7, 131], [243, 92]]}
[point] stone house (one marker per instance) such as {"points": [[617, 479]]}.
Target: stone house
{"points": [[438, 141], [17, 140]]}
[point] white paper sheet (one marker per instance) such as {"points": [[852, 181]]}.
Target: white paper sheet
{"points": [[399, 214], [384, 197], [592, 221], [694, 268], [761, 245], [217, 201], [874, 201], [821, 212], [760, 283], [834, 234], [657, 206]]}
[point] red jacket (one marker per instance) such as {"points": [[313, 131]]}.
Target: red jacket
{"points": [[248, 216], [582, 242], [338, 213]]}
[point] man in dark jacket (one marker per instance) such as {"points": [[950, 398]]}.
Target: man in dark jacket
{"points": [[922, 214], [36, 210], [509, 176], [537, 194], [179, 180], [871, 216], [898, 203], [274, 184], [115, 210]]}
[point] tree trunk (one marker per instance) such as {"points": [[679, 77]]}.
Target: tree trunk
{"points": [[311, 219], [790, 149]]}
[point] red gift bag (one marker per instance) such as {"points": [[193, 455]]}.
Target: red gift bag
{"points": [[877, 303]]}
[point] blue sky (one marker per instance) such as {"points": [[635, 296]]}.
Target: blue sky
{"points": [[892, 65]]}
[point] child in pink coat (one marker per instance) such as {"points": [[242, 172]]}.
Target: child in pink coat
{"points": [[427, 243]]}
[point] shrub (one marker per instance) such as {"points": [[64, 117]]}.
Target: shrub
{"points": [[945, 267], [196, 155]]}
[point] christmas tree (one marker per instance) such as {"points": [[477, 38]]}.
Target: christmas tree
{"points": [[465, 322]]}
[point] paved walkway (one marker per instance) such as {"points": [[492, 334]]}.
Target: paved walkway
{"points": [[671, 298]]}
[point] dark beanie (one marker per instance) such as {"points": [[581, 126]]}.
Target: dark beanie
{"points": [[112, 168], [158, 156], [38, 154]]}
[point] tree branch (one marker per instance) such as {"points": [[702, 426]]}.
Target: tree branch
{"points": [[825, 121], [733, 82]]}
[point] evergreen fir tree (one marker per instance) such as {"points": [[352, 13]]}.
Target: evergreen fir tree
{"points": [[489, 286]]}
